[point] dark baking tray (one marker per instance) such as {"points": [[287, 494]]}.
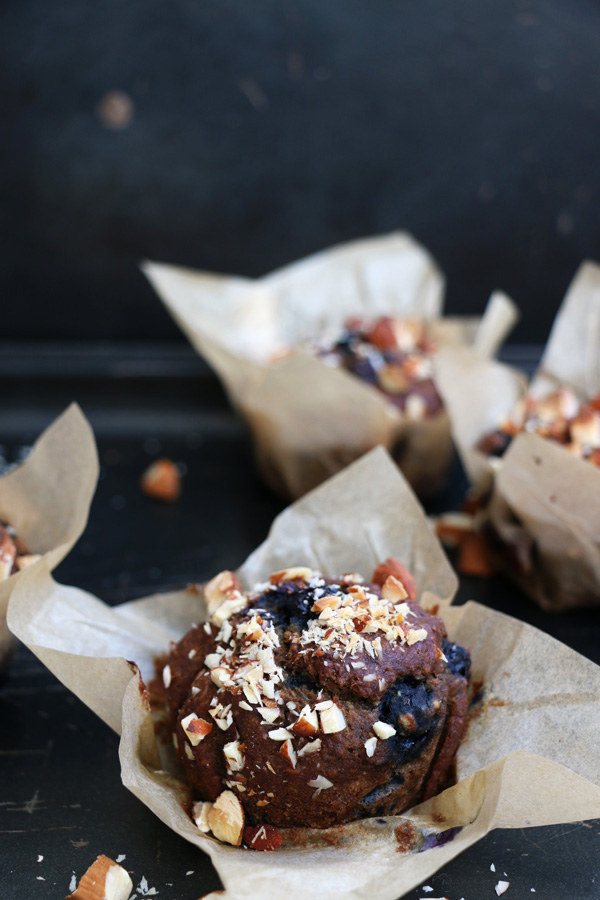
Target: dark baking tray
{"points": [[60, 792]]}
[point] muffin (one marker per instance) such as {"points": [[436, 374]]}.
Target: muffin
{"points": [[312, 702], [394, 355], [558, 416]]}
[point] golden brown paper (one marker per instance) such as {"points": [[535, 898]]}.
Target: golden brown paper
{"points": [[541, 495], [309, 420], [47, 499], [538, 687]]}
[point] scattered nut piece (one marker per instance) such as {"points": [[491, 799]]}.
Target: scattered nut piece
{"points": [[104, 880], [307, 722], [415, 636], [296, 572], [219, 589], [200, 812], [370, 745], [269, 715], [262, 837], [287, 751], [280, 734], [162, 481], [234, 756], [332, 720], [228, 608], [226, 818], [452, 527], [321, 784], [311, 747], [474, 557], [330, 601], [393, 567], [196, 728], [221, 676], [393, 590], [383, 730]]}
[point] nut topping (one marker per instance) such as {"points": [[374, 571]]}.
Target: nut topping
{"points": [[262, 837], [226, 818], [195, 728], [383, 730]]}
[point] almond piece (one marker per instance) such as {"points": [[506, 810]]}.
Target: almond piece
{"points": [[332, 720], [234, 756], [228, 608], [195, 728], [307, 723], [104, 880], [383, 334], [200, 812], [226, 818], [162, 481], [330, 601], [219, 588], [474, 557], [262, 837], [394, 567], [393, 590], [287, 751], [393, 379], [302, 573], [452, 527], [383, 730]]}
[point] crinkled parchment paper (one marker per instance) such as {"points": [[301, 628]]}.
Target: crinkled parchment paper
{"points": [[539, 491], [309, 420], [531, 755], [47, 499]]}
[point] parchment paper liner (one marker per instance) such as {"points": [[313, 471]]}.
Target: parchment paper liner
{"points": [[538, 490], [543, 715], [47, 500], [309, 420]]}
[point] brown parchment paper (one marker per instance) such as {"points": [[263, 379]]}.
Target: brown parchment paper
{"points": [[308, 420], [47, 500], [540, 494], [537, 727]]}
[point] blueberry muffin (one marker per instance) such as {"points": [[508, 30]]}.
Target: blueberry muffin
{"points": [[312, 702]]}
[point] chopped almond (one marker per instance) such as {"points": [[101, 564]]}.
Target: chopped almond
{"points": [[262, 837], [474, 556], [104, 880], [394, 567], [162, 481], [226, 818], [302, 573], [393, 590]]}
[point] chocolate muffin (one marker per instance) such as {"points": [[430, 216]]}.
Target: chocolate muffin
{"points": [[395, 356], [316, 702], [558, 416]]}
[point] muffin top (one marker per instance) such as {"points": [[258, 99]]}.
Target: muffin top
{"points": [[314, 700], [394, 355], [558, 416]]}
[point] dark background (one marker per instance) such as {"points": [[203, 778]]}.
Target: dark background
{"points": [[262, 131]]}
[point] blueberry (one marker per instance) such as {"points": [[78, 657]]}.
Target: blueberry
{"points": [[459, 660]]}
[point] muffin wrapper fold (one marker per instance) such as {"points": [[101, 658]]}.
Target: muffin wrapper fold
{"points": [[535, 689], [47, 500], [539, 493], [309, 420]]}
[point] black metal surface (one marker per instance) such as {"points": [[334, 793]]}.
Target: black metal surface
{"points": [[260, 132], [60, 791]]}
